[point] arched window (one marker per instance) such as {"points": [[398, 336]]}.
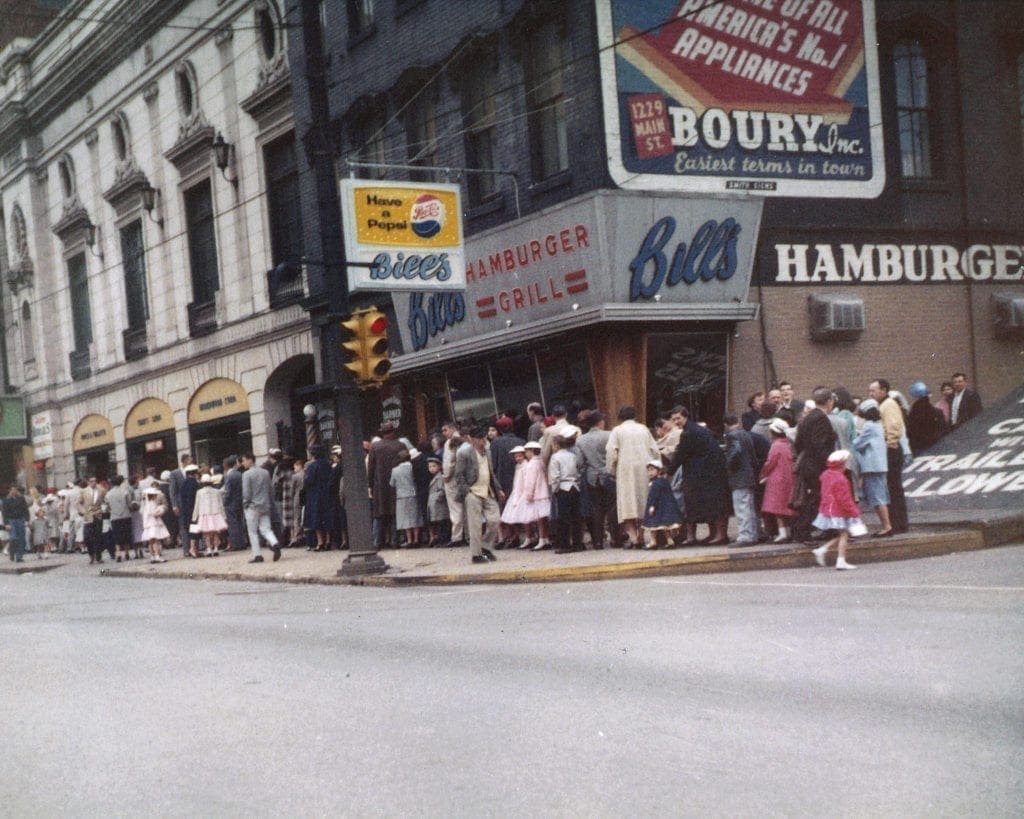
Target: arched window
{"points": [[28, 347], [19, 233], [66, 174], [266, 28], [119, 134], [185, 86], [913, 110]]}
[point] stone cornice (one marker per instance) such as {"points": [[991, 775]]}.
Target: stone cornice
{"points": [[274, 83], [195, 135]]}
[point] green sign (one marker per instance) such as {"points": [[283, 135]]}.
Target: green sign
{"points": [[12, 420]]}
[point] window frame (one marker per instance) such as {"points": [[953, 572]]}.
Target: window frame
{"points": [[133, 264], [547, 110], [81, 308], [201, 229], [915, 115]]}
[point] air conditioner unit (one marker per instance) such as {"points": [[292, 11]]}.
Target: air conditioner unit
{"points": [[836, 317], [1008, 315]]}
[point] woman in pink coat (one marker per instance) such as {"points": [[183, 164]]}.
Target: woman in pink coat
{"points": [[777, 477]]}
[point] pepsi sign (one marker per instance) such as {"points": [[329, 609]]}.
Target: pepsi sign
{"points": [[403, 236]]}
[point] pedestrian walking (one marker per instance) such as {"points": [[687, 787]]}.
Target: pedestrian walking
{"points": [[256, 501], [837, 510], [16, 518]]}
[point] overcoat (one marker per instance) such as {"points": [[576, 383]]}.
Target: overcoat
{"points": [[629, 449]]}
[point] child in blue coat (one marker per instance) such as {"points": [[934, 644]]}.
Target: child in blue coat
{"points": [[661, 512]]}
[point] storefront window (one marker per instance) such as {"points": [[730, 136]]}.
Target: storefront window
{"points": [[565, 376], [472, 395], [554, 375], [687, 369]]}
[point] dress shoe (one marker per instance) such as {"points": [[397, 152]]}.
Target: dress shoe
{"points": [[528, 544], [488, 554], [721, 541], [257, 559], [542, 546], [819, 555], [690, 541], [886, 533], [277, 553], [479, 559]]}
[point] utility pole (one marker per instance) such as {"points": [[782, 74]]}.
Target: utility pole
{"points": [[329, 303]]}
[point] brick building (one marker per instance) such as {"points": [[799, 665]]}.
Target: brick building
{"points": [[912, 284]]}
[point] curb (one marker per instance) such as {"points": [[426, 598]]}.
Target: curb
{"points": [[909, 547], [30, 567]]}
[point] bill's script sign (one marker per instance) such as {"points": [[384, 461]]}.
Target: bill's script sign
{"points": [[980, 466]]}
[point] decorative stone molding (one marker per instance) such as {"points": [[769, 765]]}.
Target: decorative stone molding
{"points": [[20, 275], [272, 84], [88, 104], [42, 175], [73, 220], [150, 91], [128, 181], [147, 54], [194, 135], [92, 136], [223, 35]]}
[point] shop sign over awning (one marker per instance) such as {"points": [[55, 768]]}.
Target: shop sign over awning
{"points": [[736, 96], [148, 417], [93, 432], [217, 398], [605, 256], [978, 467]]}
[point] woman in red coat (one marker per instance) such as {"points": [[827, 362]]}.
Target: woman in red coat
{"points": [[777, 477], [837, 509]]}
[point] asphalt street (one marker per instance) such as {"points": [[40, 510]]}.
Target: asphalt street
{"points": [[896, 689]]}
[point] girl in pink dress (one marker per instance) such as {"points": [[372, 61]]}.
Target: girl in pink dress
{"points": [[537, 498], [838, 511], [209, 515], [777, 477]]}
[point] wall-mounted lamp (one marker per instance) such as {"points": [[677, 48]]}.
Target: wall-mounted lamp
{"points": [[223, 156], [148, 195], [92, 233]]}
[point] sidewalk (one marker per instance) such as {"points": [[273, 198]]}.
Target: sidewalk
{"points": [[408, 567]]}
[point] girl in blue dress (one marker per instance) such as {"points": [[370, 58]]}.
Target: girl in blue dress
{"points": [[661, 512]]}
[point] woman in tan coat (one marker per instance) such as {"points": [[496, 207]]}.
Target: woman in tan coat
{"points": [[629, 449]]}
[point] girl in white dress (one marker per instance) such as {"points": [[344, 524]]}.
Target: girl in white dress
{"points": [[208, 515], [154, 507]]}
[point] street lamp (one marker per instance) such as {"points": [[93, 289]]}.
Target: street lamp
{"points": [[223, 155], [148, 193], [91, 233]]}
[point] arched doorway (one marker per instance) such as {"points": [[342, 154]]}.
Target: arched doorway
{"points": [[218, 421], [93, 445], [149, 436], [284, 396]]}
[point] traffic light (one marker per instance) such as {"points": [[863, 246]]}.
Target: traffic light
{"points": [[368, 345]]}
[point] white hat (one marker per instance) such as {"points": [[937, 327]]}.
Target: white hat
{"points": [[655, 463], [274, 451], [868, 403], [165, 476], [532, 445], [191, 468], [517, 450], [571, 431], [779, 426], [207, 478], [336, 449], [839, 456], [151, 490]]}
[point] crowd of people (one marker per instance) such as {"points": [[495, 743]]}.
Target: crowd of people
{"points": [[567, 481]]}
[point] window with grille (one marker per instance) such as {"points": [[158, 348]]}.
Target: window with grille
{"points": [[283, 199], [81, 314], [202, 244], [478, 118], [134, 263], [421, 137], [913, 110], [546, 103]]}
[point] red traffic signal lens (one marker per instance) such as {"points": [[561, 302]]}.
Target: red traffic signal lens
{"points": [[379, 325]]}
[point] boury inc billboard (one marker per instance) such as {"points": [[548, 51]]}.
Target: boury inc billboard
{"points": [[769, 97], [402, 235]]}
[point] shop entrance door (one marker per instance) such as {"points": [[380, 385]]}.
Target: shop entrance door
{"points": [[687, 369]]}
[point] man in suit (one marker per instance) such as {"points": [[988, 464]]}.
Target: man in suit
{"points": [[90, 508], [591, 446], [966, 402], [796, 405], [815, 441], [174, 491], [233, 510], [477, 487], [256, 501]]}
